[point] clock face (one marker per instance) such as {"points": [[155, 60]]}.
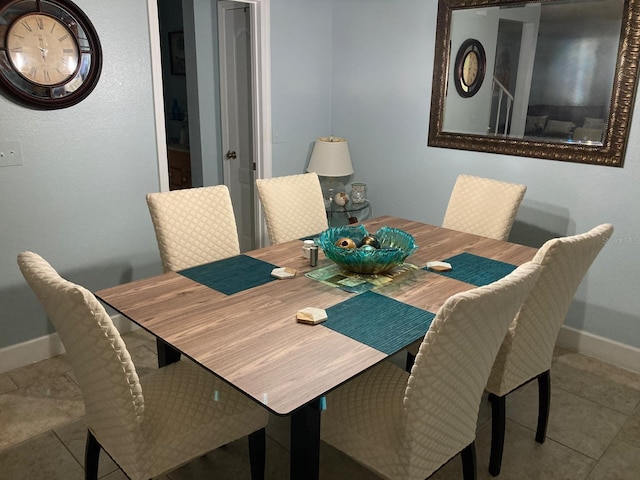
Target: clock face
{"points": [[50, 54], [42, 49], [469, 68]]}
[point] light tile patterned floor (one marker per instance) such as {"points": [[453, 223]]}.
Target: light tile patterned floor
{"points": [[594, 429]]}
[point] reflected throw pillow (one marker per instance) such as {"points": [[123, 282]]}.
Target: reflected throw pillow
{"points": [[556, 128], [582, 134], [535, 125], [593, 123]]}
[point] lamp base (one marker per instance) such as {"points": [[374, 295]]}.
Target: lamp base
{"points": [[330, 187]]}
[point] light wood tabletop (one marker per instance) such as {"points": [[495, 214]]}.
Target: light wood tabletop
{"points": [[252, 340]]}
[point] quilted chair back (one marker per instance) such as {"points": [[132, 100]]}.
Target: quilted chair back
{"points": [[293, 206], [193, 226], [99, 358], [528, 347], [450, 372], [483, 206]]}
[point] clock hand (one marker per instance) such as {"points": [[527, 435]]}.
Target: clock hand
{"points": [[41, 47]]}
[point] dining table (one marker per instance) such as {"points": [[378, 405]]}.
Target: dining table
{"points": [[238, 321]]}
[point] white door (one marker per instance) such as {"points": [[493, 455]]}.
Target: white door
{"points": [[234, 31]]}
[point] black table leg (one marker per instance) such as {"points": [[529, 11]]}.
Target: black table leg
{"points": [[166, 353], [305, 442]]}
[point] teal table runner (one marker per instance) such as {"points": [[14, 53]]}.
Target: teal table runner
{"points": [[378, 321], [476, 270], [231, 275]]}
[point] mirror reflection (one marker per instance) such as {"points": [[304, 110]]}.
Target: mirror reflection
{"points": [[550, 70], [559, 75]]}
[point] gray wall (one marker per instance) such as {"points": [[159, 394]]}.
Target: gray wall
{"points": [[355, 68], [381, 95], [301, 72], [78, 198]]}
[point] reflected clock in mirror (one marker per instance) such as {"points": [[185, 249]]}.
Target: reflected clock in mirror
{"points": [[560, 78], [469, 68]]}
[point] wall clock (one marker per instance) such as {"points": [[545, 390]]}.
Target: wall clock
{"points": [[50, 54], [469, 68]]}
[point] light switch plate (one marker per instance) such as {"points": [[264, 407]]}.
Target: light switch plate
{"points": [[10, 153]]}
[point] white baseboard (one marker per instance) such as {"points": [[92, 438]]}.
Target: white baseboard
{"points": [[625, 356], [26, 353], [610, 351]]}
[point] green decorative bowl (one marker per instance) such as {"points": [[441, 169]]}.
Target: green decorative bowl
{"points": [[395, 246]]}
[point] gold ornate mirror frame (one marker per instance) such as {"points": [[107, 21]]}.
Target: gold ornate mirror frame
{"points": [[609, 152]]}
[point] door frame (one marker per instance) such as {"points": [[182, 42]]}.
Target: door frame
{"points": [[261, 98], [228, 64]]}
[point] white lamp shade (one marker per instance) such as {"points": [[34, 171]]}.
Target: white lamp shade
{"points": [[331, 158]]}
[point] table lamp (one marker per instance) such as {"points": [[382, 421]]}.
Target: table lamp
{"points": [[331, 159]]}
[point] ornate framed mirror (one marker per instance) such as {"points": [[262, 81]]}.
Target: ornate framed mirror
{"points": [[560, 78]]}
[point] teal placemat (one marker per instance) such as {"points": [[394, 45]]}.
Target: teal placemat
{"points": [[476, 270], [378, 321], [231, 275]]}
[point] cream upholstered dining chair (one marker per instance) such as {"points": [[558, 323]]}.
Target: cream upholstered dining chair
{"points": [[527, 350], [193, 226], [483, 206], [293, 206], [405, 426], [148, 426]]}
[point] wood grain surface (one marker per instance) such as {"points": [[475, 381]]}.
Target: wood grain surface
{"points": [[252, 339]]}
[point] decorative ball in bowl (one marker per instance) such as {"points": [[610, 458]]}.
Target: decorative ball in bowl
{"points": [[356, 250]]}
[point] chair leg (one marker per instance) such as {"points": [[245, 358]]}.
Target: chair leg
{"points": [[544, 400], [469, 466], [411, 358], [91, 457], [257, 454], [498, 414]]}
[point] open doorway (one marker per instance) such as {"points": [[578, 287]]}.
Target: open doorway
{"points": [[207, 160], [505, 75], [174, 82]]}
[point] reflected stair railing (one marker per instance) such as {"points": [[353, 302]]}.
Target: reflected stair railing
{"points": [[501, 91]]}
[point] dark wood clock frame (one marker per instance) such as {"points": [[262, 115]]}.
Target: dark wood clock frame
{"points": [[74, 89], [469, 46]]}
